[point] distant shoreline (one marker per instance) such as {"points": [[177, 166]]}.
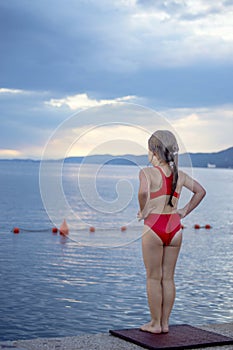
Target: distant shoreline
{"points": [[221, 159]]}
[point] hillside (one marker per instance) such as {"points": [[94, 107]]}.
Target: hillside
{"points": [[222, 159]]}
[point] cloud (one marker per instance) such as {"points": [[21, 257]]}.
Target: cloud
{"points": [[28, 120], [188, 9], [176, 38], [81, 101], [26, 123], [64, 47], [11, 91], [204, 129], [110, 138], [173, 56], [10, 153]]}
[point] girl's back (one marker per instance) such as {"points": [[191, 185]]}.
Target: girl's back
{"points": [[159, 182]]}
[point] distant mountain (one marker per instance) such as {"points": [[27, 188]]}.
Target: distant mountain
{"points": [[222, 159], [126, 159]]}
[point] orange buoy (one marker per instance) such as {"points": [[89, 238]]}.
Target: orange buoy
{"points": [[16, 230], [196, 226], [92, 229], [54, 230], [207, 226], [123, 228], [64, 229]]}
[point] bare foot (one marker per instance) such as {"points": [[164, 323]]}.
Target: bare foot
{"points": [[165, 329], [149, 327]]}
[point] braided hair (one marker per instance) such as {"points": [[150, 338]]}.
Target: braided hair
{"points": [[164, 144]]}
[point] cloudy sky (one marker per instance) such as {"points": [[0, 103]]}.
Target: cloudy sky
{"points": [[58, 58]]}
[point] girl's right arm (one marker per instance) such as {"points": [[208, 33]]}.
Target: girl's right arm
{"points": [[143, 193], [198, 194]]}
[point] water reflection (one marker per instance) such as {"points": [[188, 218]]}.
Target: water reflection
{"points": [[50, 286]]}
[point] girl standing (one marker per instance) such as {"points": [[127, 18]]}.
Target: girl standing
{"points": [[159, 191]]}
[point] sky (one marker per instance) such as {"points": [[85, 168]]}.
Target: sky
{"points": [[72, 72]]}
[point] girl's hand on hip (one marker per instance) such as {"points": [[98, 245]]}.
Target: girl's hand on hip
{"points": [[181, 212], [139, 215]]}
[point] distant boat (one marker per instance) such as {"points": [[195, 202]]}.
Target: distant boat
{"points": [[209, 165]]}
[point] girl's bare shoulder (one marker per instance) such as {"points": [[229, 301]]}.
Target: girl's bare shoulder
{"points": [[181, 173], [149, 171], [182, 176], [143, 173]]}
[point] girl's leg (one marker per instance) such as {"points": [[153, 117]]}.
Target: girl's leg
{"points": [[170, 256], [152, 249]]}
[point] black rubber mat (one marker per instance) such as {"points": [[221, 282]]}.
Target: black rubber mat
{"points": [[179, 337]]}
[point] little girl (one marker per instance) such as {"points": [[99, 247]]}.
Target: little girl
{"points": [[159, 191]]}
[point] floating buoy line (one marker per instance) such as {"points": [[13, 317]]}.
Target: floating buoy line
{"points": [[92, 229], [64, 232]]}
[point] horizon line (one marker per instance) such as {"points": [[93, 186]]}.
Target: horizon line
{"points": [[104, 154]]}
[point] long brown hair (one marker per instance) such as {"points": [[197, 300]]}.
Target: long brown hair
{"points": [[163, 143]]}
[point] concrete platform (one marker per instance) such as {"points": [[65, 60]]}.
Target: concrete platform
{"points": [[101, 341]]}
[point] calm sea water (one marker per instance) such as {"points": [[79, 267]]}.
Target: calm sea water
{"points": [[51, 286]]}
